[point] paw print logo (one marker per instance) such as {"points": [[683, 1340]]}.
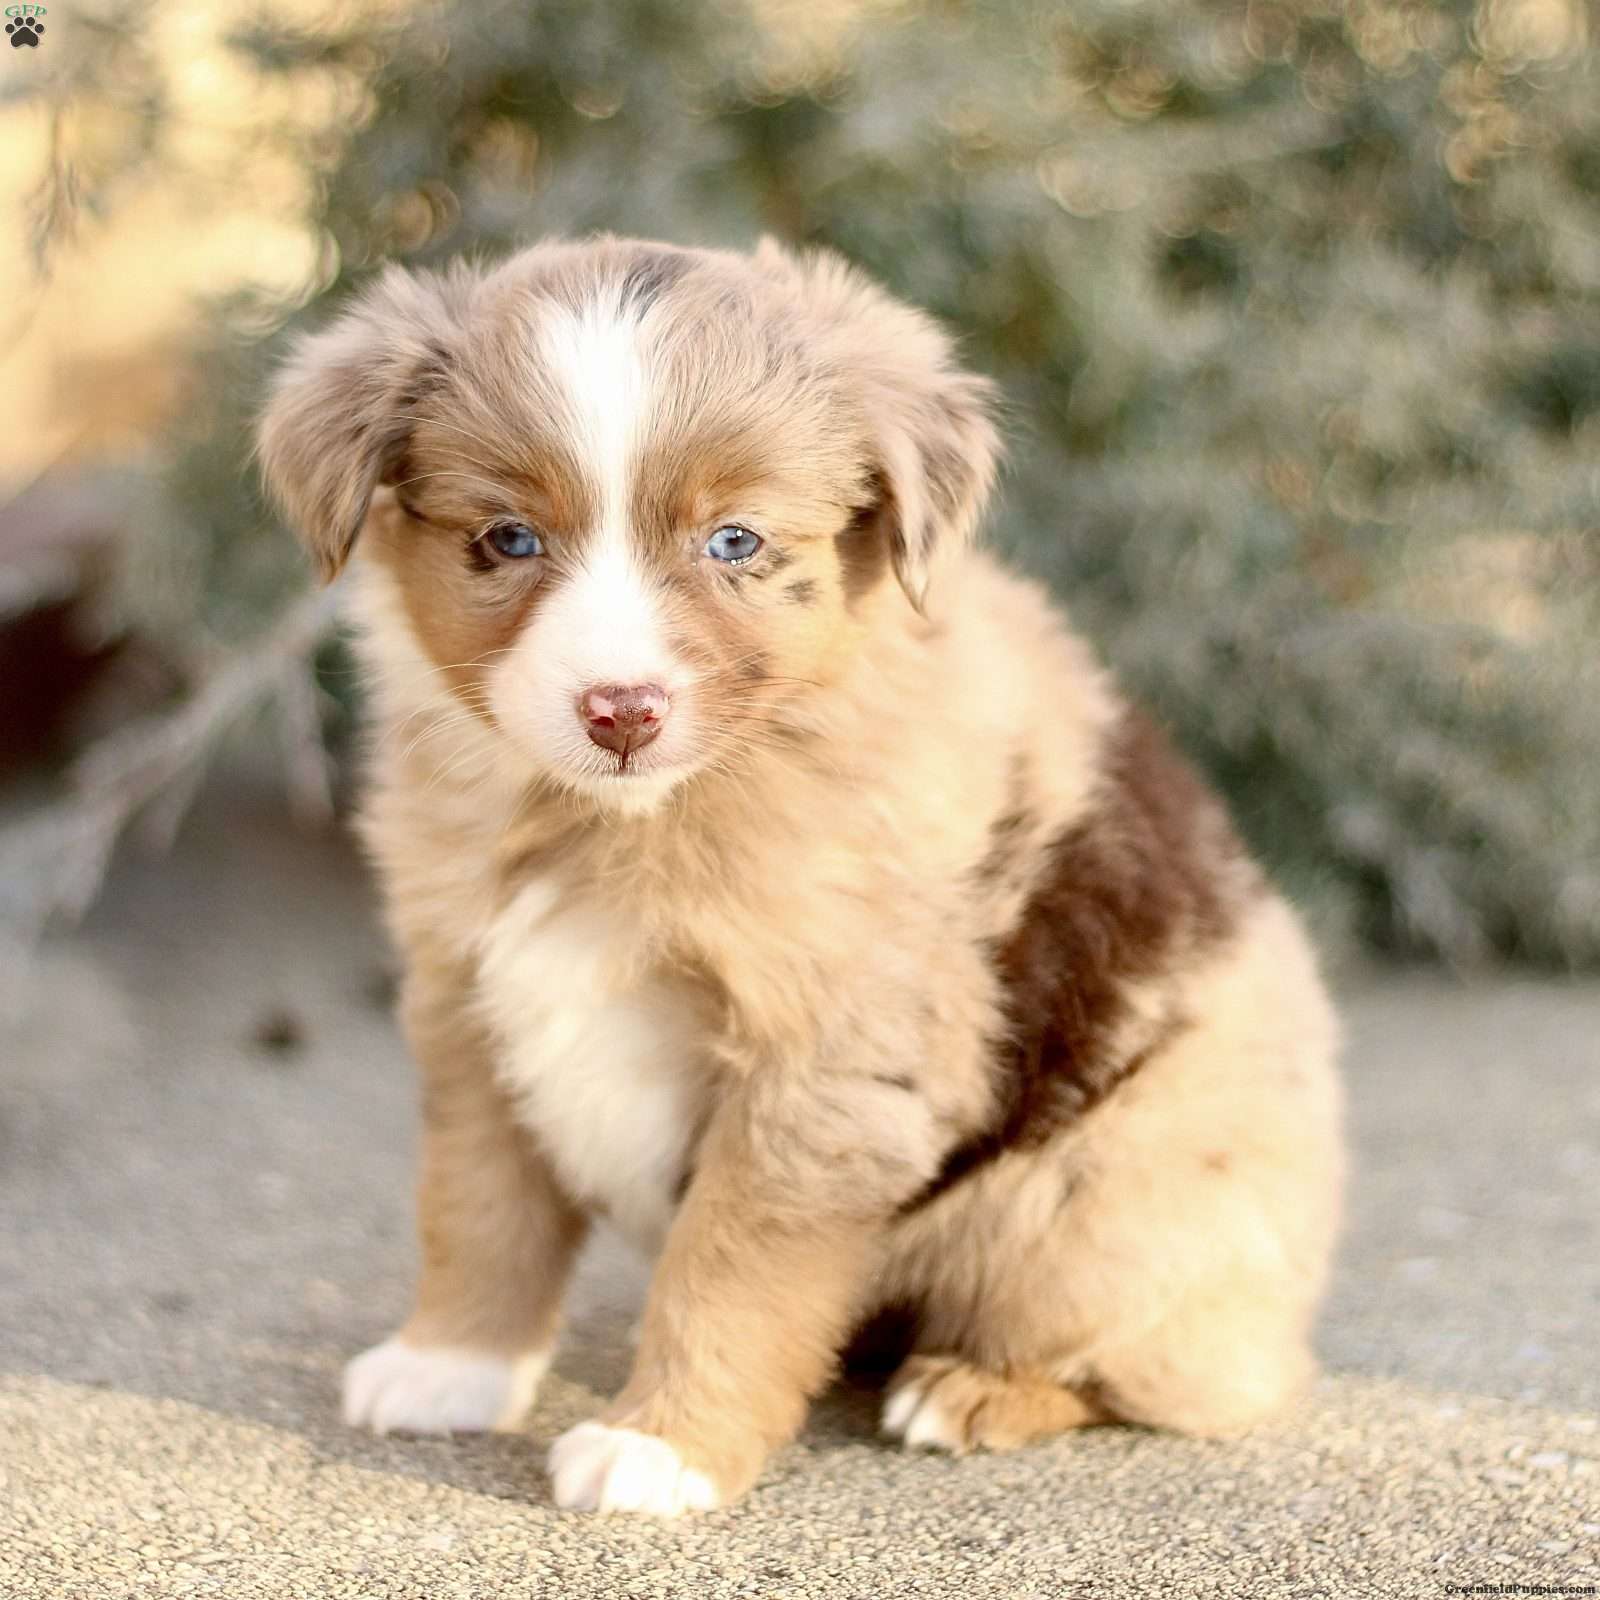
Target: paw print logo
{"points": [[25, 31]]}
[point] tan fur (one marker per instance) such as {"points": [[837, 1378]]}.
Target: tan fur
{"points": [[983, 1408], [498, 1236], [1109, 1191]]}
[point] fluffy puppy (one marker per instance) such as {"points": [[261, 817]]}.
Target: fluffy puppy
{"points": [[781, 880]]}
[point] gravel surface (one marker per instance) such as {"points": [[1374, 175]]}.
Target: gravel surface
{"points": [[205, 1134]]}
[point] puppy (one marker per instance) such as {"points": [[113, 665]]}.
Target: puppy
{"points": [[780, 880]]}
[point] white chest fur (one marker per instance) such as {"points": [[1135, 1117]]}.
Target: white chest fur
{"points": [[603, 1059]]}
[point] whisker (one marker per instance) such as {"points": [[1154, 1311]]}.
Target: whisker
{"points": [[455, 427], [423, 477], [440, 714], [477, 764], [433, 728]]}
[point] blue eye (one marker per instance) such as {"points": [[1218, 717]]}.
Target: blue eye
{"points": [[514, 540], [734, 545]]}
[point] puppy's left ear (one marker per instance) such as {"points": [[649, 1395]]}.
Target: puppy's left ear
{"points": [[935, 449], [939, 453], [339, 417]]}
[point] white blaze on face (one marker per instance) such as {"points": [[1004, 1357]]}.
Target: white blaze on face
{"points": [[602, 623]]}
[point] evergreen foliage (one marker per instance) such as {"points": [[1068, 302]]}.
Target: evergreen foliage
{"points": [[1296, 305]]}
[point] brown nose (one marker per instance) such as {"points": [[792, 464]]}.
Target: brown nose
{"points": [[623, 716]]}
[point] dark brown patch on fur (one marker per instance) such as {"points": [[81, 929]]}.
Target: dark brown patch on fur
{"points": [[1011, 828], [651, 276], [1152, 875], [864, 546], [768, 564], [896, 1080], [1005, 830], [802, 591]]}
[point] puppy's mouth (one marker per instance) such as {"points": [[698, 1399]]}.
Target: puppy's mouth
{"points": [[628, 759], [627, 765], [631, 778]]}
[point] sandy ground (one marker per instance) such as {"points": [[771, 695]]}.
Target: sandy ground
{"points": [[205, 1127]]}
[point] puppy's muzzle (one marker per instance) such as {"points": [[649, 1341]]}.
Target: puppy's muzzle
{"points": [[623, 717]]}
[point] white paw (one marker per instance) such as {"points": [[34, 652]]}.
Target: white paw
{"points": [[914, 1416], [596, 1468], [398, 1387]]}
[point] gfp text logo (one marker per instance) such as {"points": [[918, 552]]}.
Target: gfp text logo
{"points": [[24, 24]]}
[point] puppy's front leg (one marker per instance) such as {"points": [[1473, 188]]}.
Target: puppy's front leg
{"points": [[755, 1291], [497, 1240]]}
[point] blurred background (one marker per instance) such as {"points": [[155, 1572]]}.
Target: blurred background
{"points": [[1296, 305]]}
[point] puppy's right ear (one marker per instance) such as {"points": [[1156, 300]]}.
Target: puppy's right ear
{"points": [[340, 414]]}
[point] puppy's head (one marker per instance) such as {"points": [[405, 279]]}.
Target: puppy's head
{"points": [[643, 499]]}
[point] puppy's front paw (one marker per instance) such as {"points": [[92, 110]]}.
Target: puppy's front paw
{"points": [[399, 1387], [594, 1467]]}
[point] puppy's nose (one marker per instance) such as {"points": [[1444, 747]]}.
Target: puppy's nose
{"points": [[623, 716]]}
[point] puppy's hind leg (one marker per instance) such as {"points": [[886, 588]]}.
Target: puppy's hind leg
{"points": [[1225, 1359], [949, 1404], [498, 1238]]}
